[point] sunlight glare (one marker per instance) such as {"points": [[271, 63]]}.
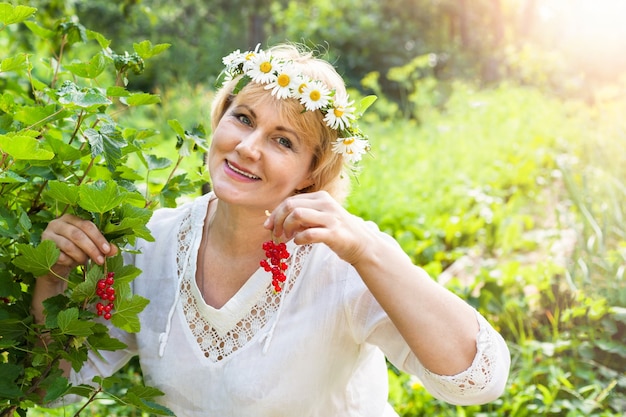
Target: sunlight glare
{"points": [[594, 31]]}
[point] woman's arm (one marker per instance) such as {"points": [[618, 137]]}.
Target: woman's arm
{"points": [[439, 327], [78, 240]]}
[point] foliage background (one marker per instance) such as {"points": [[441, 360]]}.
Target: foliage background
{"points": [[498, 144]]}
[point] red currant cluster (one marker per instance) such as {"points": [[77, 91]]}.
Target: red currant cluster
{"points": [[106, 292], [275, 253]]}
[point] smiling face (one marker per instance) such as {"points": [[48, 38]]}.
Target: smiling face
{"points": [[258, 156]]}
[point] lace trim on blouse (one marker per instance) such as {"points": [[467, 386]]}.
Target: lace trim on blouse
{"points": [[479, 374], [217, 345]]}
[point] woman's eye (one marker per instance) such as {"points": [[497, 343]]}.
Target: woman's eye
{"points": [[244, 119], [285, 142]]}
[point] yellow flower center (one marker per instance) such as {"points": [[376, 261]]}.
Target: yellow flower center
{"points": [[283, 80], [348, 141], [315, 95], [265, 67], [249, 56], [301, 88], [338, 112]]}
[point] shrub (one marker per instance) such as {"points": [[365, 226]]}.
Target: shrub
{"points": [[62, 150]]}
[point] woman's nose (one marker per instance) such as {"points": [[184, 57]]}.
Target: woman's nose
{"points": [[250, 145]]}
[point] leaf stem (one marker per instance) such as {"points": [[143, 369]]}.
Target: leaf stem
{"points": [[90, 400]]}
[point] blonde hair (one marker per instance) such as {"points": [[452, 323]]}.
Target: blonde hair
{"points": [[328, 171]]}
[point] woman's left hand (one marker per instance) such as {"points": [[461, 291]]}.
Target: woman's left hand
{"points": [[318, 218]]}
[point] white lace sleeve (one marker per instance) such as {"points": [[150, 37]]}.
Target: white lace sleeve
{"points": [[484, 380]]}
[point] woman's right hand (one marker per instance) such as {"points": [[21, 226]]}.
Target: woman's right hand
{"points": [[78, 240]]}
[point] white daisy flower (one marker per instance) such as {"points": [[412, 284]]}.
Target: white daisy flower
{"points": [[234, 59], [286, 80], [352, 148], [248, 58], [301, 82], [261, 68], [315, 95], [341, 113]]}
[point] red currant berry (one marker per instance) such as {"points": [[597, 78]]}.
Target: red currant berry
{"points": [[107, 316]]}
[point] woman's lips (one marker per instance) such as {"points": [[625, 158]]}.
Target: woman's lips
{"points": [[230, 166]]}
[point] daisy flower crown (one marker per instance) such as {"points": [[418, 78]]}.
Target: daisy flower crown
{"points": [[282, 77]]}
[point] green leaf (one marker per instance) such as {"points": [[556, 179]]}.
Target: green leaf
{"points": [[102, 341], [125, 314], [9, 287], [141, 99], [90, 99], [62, 192], [156, 163], [40, 31], [55, 389], [7, 103], [147, 405], [176, 127], [8, 177], [34, 116], [102, 41], [74, 31], [132, 221], [364, 104], [87, 289], [77, 357], [145, 49], [128, 226], [116, 91], [188, 141], [82, 390], [108, 142], [9, 372], [69, 323], [15, 63], [174, 188], [12, 329], [142, 397], [91, 69], [37, 260], [14, 14], [53, 306], [100, 197], [63, 151], [24, 148]]}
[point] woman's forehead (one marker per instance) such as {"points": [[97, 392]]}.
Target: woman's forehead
{"points": [[287, 112]]}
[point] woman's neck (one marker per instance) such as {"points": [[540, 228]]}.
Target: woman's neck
{"points": [[238, 230]]}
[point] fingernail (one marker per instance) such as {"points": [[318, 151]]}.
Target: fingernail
{"points": [[106, 247], [266, 222], [100, 260]]}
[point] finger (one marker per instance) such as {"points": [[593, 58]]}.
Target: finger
{"points": [[76, 238], [278, 217], [303, 218], [94, 235]]}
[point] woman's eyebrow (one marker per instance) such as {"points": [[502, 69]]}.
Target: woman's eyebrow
{"points": [[280, 128]]}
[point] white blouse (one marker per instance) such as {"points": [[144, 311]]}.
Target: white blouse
{"points": [[317, 348]]}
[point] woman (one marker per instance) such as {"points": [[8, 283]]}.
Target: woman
{"points": [[229, 332]]}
